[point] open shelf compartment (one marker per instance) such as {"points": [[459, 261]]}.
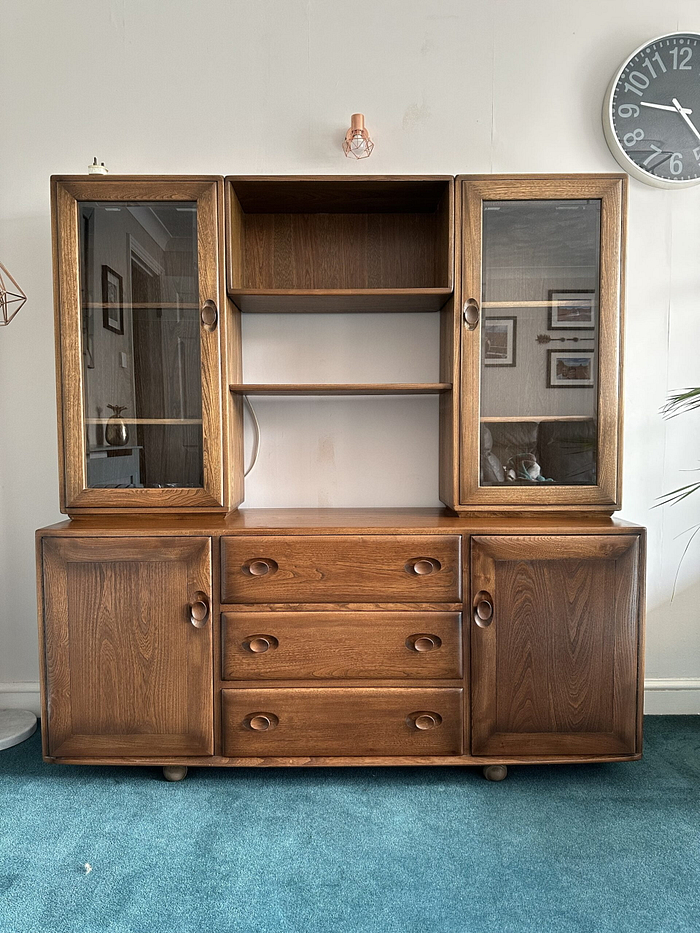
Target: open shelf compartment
{"points": [[340, 243]]}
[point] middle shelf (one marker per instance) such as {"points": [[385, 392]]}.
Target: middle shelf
{"points": [[418, 388]]}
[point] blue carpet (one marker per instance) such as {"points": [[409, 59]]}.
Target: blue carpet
{"points": [[591, 849]]}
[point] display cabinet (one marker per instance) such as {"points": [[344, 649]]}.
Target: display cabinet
{"points": [[505, 629], [540, 300], [142, 327]]}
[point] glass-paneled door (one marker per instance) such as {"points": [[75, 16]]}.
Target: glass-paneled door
{"points": [[139, 298], [541, 297]]}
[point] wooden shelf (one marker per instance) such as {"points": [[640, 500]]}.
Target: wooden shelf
{"points": [[144, 305], [146, 420], [418, 388], [320, 300], [518, 418], [516, 304]]}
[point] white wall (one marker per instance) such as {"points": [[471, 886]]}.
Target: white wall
{"points": [[448, 86]]}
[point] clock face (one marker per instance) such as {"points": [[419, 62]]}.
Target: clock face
{"points": [[651, 114]]}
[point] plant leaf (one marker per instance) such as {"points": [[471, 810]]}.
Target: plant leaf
{"points": [[679, 402]]}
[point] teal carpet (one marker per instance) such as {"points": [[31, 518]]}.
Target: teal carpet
{"points": [[591, 849]]}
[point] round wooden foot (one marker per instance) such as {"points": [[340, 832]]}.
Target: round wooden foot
{"points": [[495, 772], [174, 772]]}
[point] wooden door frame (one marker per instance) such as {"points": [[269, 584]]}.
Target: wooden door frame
{"points": [[58, 736], [627, 551], [66, 192], [611, 190]]}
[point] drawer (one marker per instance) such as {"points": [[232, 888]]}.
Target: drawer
{"points": [[340, 568], [308, 645], [344, 721]]}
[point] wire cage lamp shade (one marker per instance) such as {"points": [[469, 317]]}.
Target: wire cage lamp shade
{"points": [[357, 143], [11, 296]]}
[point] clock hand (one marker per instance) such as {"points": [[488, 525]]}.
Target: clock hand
{"points": [[645, 103], [685, 116]]}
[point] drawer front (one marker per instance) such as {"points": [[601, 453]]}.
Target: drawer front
{"points": [[340, 568], [345, 721], [328, 645]]}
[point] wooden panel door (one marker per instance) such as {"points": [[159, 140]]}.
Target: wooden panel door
{"points": [[554, 645], [541, 307], [141, 333], [128, 644]]}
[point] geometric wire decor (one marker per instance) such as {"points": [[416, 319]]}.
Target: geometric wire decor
{"points": [[11, 297]]}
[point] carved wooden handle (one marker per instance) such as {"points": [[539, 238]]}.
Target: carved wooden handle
{"points": [[471, 313], [209, 315], [199, 609], [261, 722], [259, 644], [424, 719], [422, 566], [259, 567], [483, 609], [423, 643]]}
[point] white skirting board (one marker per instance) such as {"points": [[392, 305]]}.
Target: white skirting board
{"points": [[669, 696], [662, 696], [20, 696]]}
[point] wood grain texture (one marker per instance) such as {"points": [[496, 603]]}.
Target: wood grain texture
{"points": [[342, 721], [234, 452], [611, 191], [340, 194], [263, 522], [339, 300], [417, 388], [342, 761], [342, 251], [556, 670], [345, 645], [344, 607], [68, 191], [330, 568], [126, 672]]}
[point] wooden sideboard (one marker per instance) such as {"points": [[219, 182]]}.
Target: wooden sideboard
{"points": [[305, 637], [178, 630]]}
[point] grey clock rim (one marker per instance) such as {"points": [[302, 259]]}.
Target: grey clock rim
{"points": [[616, 149]]}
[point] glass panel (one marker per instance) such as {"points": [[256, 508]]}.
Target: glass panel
{"points": [[141, 344], [539, 342]]}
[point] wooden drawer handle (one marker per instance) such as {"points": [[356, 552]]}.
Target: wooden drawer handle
{"points": [[422, 643], [209, 315], [259, 567], [422, 566], [483, 609], [199, 609], [261, 722], [424, 719], [259, 644]]}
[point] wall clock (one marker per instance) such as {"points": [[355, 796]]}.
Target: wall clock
{"points": [[651, 112]]}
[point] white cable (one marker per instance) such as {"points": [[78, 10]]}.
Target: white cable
{"points": [[256, 435]]}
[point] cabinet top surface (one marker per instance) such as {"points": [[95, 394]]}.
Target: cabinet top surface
{"points": [[339, 521]]}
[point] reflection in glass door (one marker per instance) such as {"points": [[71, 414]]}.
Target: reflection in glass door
{"points": [[141, 344], [539, 342]]}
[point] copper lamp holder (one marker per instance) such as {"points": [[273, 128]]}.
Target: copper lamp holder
{"points": [[357, 144]]}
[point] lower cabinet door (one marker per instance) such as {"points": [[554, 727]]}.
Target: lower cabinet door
{"points": [[128, 643], [555, 645], [342, 721]]}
